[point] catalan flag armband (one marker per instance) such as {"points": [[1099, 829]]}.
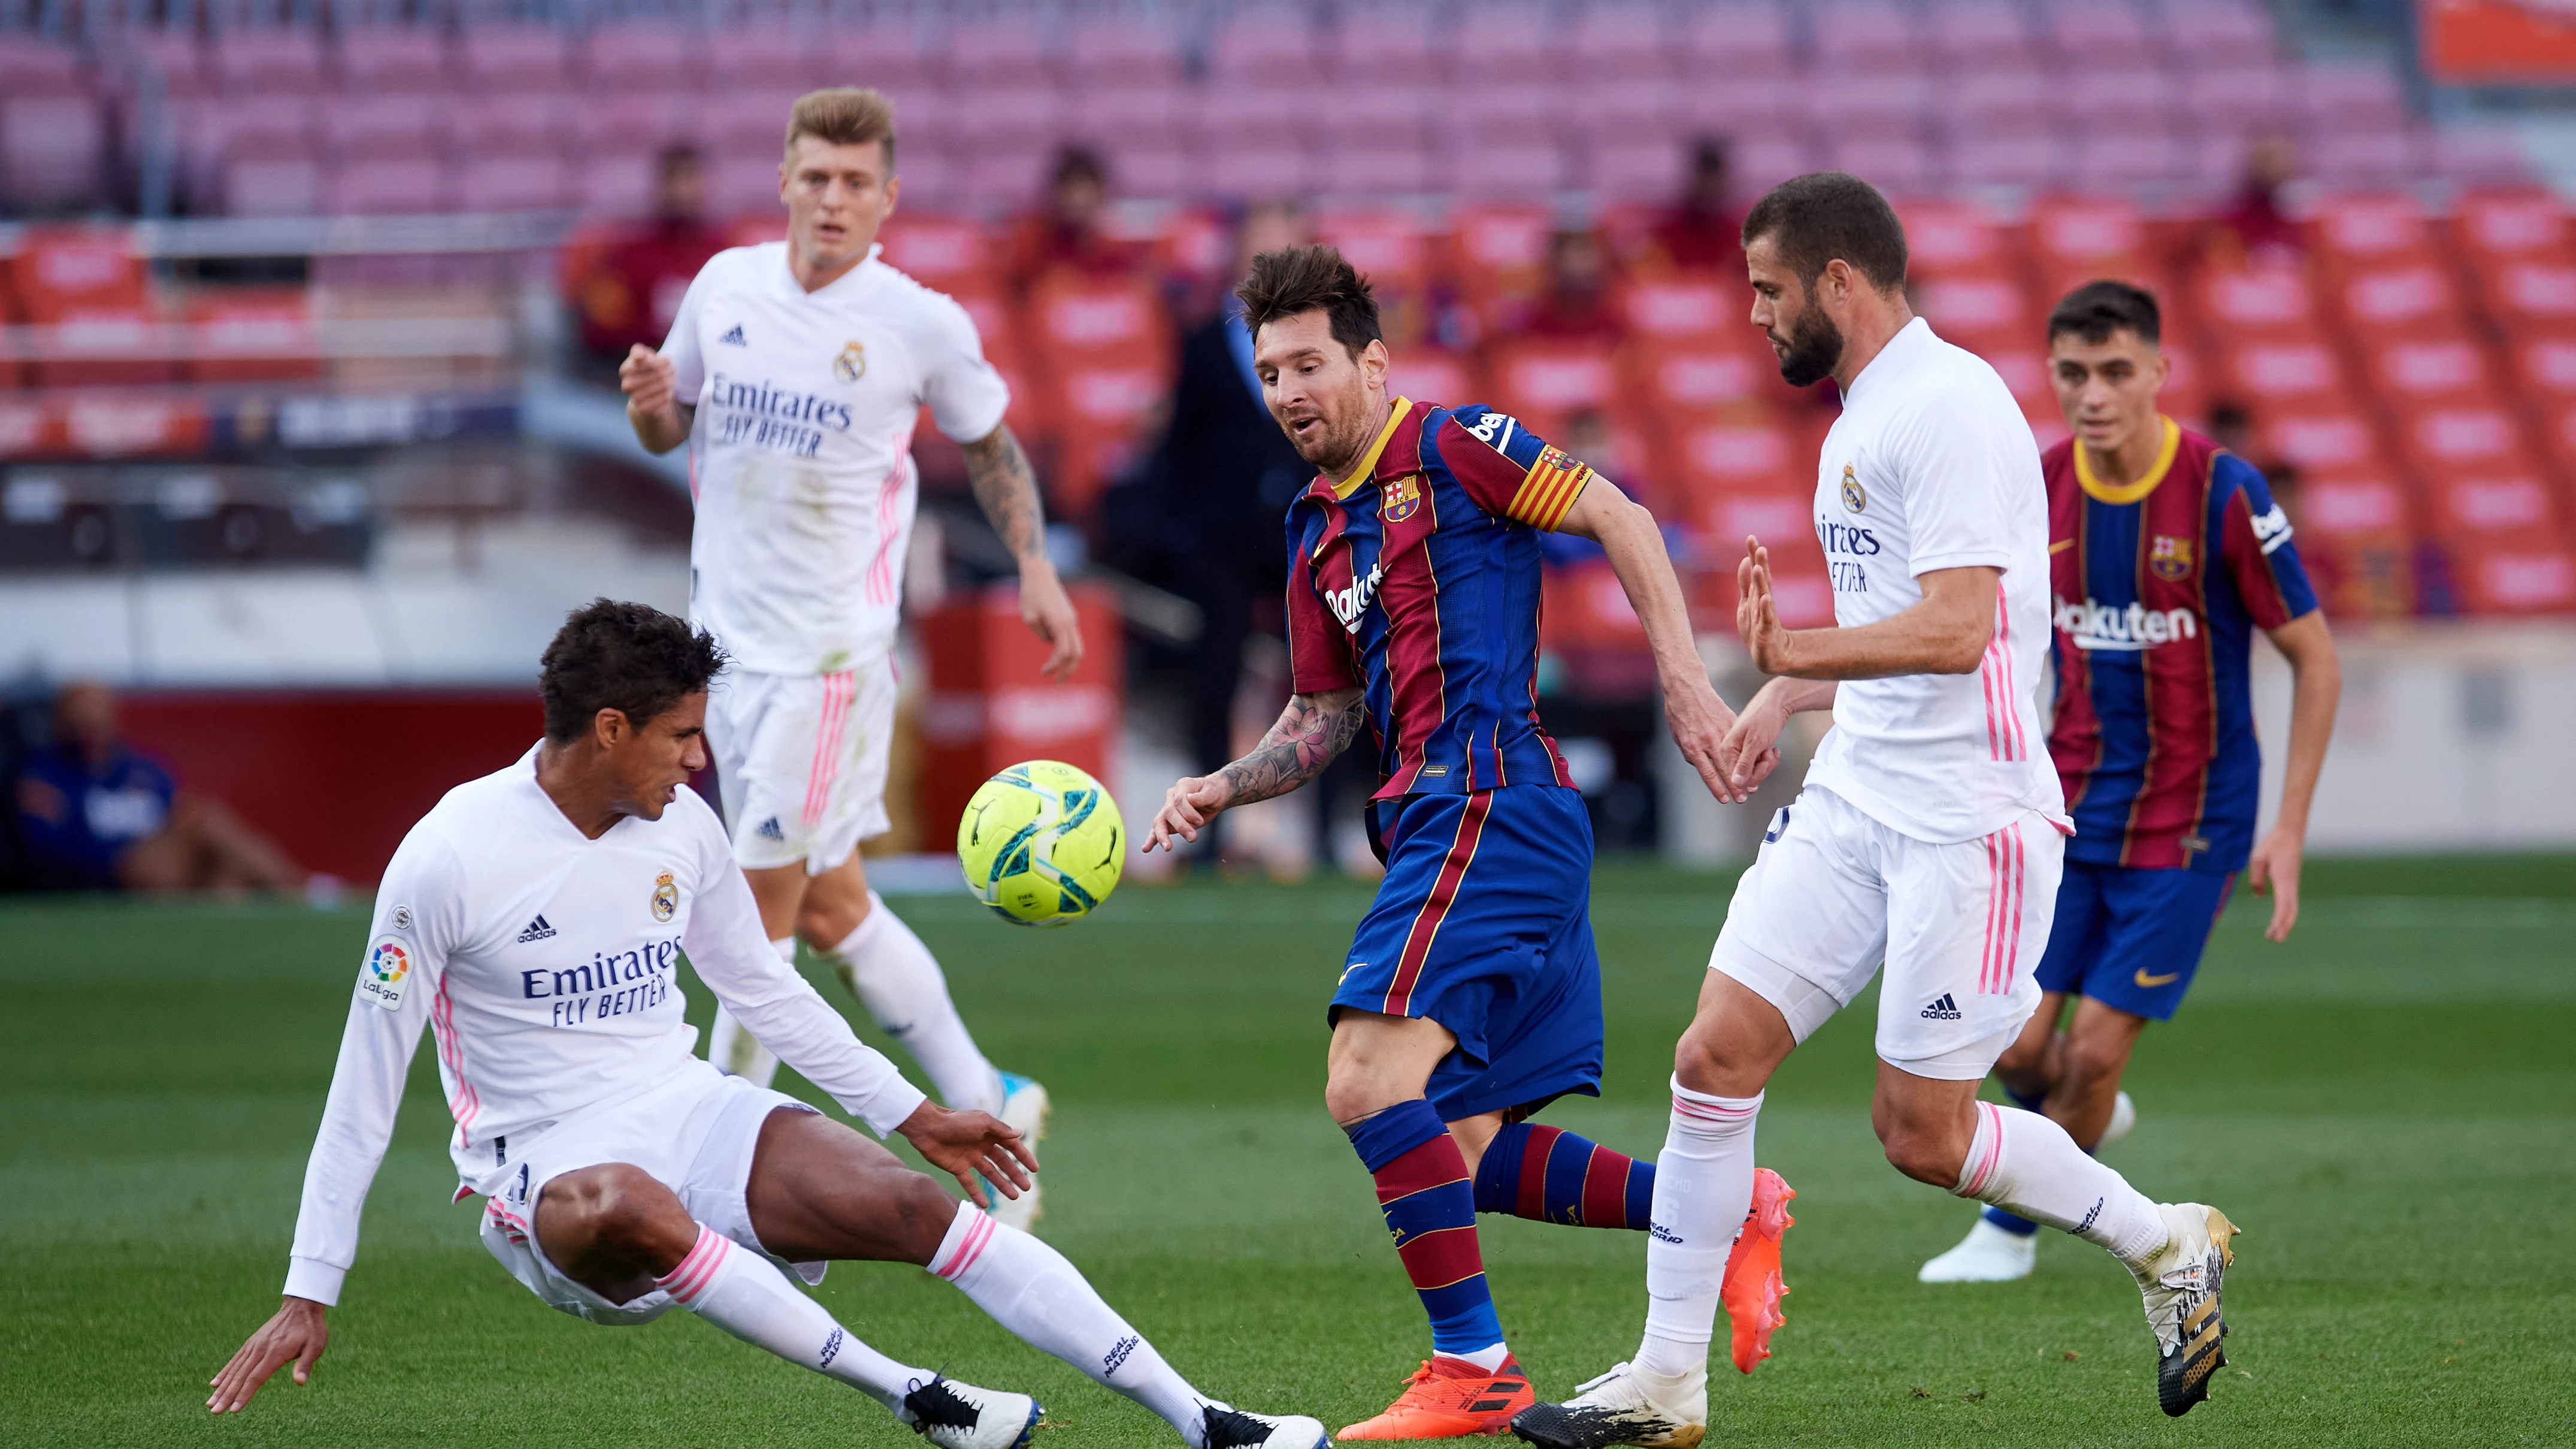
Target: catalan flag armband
{"points": [[1552, 485]]}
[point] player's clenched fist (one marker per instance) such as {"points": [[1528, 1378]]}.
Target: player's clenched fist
{"points": [[646, 377], [1187, 808]]}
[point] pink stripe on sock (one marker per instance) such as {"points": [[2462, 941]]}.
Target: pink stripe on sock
{"points": [[695, 1271], [1993, 1120], [977, 1235], [1710, 1112]]}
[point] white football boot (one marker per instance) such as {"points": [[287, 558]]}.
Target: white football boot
{"points": [[1988, 1254], [1024, 1108], [2124, 1115], [961, 1416], [2181, 1286], [1225, 1427], [1623, 1406]]}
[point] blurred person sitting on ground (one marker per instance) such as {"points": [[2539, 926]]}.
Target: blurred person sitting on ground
{"points": [[1577, 303], [1700, 231], [1066, 234], [2254, 230], [630, 294], [98, 814]]}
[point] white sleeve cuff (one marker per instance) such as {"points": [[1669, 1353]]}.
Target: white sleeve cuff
{"points": [[890, 1107], [312, 1278]]}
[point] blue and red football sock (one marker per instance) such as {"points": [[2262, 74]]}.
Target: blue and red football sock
{"points": [[1430, 1207], [2013, 1222], [1549, 1175]]}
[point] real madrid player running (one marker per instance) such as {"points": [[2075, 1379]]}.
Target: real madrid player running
{"points": [[533, 922], [2167, 553], [1471, 997], [797, 370], [1928, 836]]}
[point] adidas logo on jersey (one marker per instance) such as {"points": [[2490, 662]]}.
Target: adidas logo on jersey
{"points": [[734, 337], [770, 829], [537, 930], [1942, 1010]]}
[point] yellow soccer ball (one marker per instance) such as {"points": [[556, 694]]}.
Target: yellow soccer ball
{"points": [[1042, 844]]}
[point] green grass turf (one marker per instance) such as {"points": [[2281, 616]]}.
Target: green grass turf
{"points": [[2388, 1104]]}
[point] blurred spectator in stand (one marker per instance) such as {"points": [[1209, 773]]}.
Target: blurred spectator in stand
{"points": [[95, 813], [632, 292], [2254, 230], [1577, 302], [1703, 231], [1067, 233]]}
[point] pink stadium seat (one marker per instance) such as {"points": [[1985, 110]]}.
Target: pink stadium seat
{"points": [[385, 127], [613, 184], [1623, 44], [1997, 102], [2123, 160], [765, 57], [1980, 35], [51, 149], [1025, 117], [888, 57], [1888, 108], [638, 123], [256, 186], [175, 54], [741, 183], [31, 66], [1257, 117], [2143, 90], [274, 127], [1507, 44], [286, 61], [1757, 164], [1741, 39], [1106, 55], [1253, 168], [2201, 32], [2479, 156], [528, 182], [369, 188], [1385, 46], [383, 59], [1896, 165], [1474, 117], [1265, 49], [1376, 169], [2366, 158], [511, 125], [2342, 97], [749, 122], [1509, 170], [1392, 116], [998, 55], [2236, 96], [1757, 108], [2086, 31], [1157, 170], [507, 58], [1617, 170], [1857, 38], [1645, 109], [1116, 116], [2009, 160], [643, 59]]}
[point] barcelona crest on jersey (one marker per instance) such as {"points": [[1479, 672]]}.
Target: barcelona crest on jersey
{"points": [[1403, 498], [2170, 558]]}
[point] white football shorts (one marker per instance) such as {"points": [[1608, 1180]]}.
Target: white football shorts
{"points": [[695, 1135], [1960, 927], [801, 761]]}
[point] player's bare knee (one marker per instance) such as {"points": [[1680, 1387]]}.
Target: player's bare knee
{"points": [[1350, 1094], [1924, 1156], [2089, 1064], [919, 1216]]}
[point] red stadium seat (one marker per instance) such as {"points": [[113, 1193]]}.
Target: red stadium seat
{"points": [[2511, 503], [1499, 252], [2525, 294], [2075, 239], [2293, 374], [1545, 381], [2345, 506], [947, 253], [1103, 349], [2259, 302], [1392, 248], [2416, 371], [1693, 377], [1584, 609], [1994, 305], [2410, 299], [2356, 532], [1781, 518], [2516, 578], [253, 335], [1686, 305], [2513, 224], [1441, 379], [2373, 229], [2444, 440], [90, 293], [2322, 440], [1950, 236], [2544, 365]]}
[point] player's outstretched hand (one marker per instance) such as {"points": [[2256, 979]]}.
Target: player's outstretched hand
{"points": [[1187, 808], [1699, 721], [649, 381], [294, 1334], [1757, 613], [2274, 871], [1048, 611], [973, 1147]]}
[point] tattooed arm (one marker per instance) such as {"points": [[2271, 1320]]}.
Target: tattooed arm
{"points": [[1311, 731], [1007, 491]]}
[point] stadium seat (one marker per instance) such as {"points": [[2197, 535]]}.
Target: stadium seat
{"points": [[2026, 160], [1746, 39], [2508, 503], [252, 334], [2543, 365], [1867, 40], [1446, 379], [2445, 439], [2335, 98], [89, 293], [400, 126], [643, 59], [619, 184], [2356, 533], [2405, 300], [1944, 236], [364, 188], [1498, 253], [281, 61], [2077, 238], [1766, 108], [2517, 578], [2337, 438], [1899, 165], [1584, 610], [2524, 295], [2260, 302], [2009, 98], [1393, 118], [1000, 55], [378, 60], [512, 125], [1779, 516], [1687, 380], [2235, 97], [53, 149], [1386, 46], [2211, 32], [2417, 371], [1546, 380], [1981, 35], [500, 59], [768, 58], [1992, 305], [2366, 158], [1617, 46], [1618, 170], [2083, 32], [2498, 225], [528, 181], [888, 57], [2125, 159], [1265, 48], [1108, 54], [1507, 44], [1116, 117], [2356, 229], [2465, 155], [1688, 305], [289, 186]]}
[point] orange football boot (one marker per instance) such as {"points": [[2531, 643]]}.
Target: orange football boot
{"points": [[1752, 1289], [1449, 1398]]}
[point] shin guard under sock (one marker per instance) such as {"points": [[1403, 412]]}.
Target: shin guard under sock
{"points": [[1430, 1207]]}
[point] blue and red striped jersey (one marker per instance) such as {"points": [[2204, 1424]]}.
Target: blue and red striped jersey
{"points": [[1416, 580], [2159, 586]]}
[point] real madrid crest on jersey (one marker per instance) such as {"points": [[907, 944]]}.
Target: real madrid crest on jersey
{"points": [[2170, 558], [1854, 498], [666, 897], [1401, 498], [852, 364]]}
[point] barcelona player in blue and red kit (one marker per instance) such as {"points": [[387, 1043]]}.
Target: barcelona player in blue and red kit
{"points": [[1471, 996], [2167, 553]]}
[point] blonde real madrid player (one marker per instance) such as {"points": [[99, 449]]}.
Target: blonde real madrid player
{"points": [[1928, 837], [533, 922], [796, 370]]}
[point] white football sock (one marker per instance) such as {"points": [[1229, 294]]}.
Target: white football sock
{"points": [[735, 1050], [894, 976], [1031, 1290], [2025, 1163], [1703, 1189], [740, 1292]]}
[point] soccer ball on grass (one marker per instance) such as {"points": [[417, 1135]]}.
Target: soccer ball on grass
{"points": [[1042, 843]]}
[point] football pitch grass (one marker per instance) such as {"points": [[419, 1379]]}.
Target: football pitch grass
{"points": [[2387, 1104]]}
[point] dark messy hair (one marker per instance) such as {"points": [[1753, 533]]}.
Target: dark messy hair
{"points": [[1823, 216], [2097, 310], [1292, 280], [631, 658]]}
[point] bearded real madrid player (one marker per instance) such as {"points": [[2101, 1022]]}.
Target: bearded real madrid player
{"points": [[1928, 838], [533, 922], [796, 371]]}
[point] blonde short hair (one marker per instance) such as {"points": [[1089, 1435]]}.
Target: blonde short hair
{"points": [[843, 116]]}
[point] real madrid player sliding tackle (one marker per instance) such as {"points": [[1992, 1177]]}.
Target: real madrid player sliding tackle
{"points": [[533, 922], [1928, 836], [1471, 997], [797, 370]]}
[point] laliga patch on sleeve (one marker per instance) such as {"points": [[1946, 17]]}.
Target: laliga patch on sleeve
{"points": [[386, 975]]}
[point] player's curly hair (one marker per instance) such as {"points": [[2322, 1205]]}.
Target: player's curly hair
{"points": [[1292, 280], [1827, 216], [631, 658]]}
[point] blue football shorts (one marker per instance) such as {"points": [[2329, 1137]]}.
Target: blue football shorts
{"points": [[1483, 924], [2132, 938]]}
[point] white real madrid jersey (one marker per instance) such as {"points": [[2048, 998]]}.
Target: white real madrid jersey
{"points": [[545, 966], [800, 459], [1932, 466]]}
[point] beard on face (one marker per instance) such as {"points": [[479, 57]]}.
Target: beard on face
{"points": [[1815, 347], [1332, 447]]}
